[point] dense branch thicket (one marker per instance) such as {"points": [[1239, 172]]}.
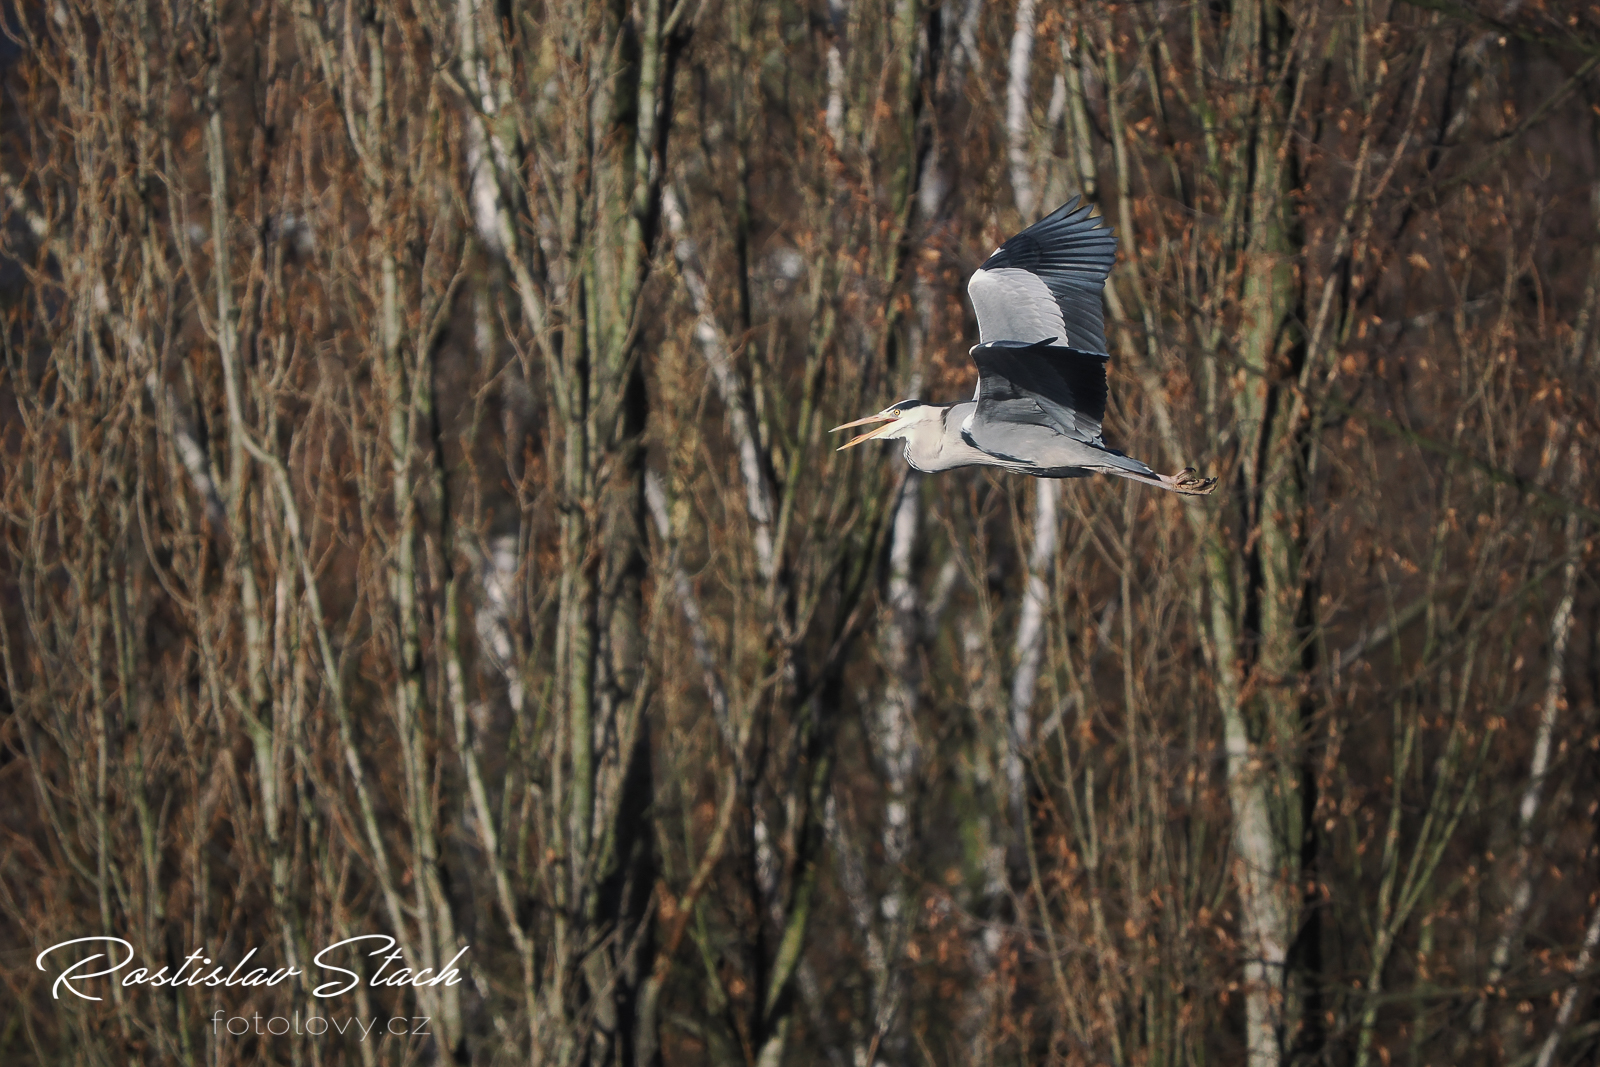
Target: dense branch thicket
{"points": [[418, 519]]}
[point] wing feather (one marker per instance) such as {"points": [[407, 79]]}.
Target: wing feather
{"points": [[1047, 282], [1048, 385]]}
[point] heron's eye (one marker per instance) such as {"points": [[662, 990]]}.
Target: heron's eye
{"points": [[895, 413]]}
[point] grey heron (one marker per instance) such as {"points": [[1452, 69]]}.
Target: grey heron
{"points": [[1041, 357]]}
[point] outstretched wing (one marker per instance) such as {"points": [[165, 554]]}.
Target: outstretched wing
{"points": [[1046, 282], [1060, 388]]}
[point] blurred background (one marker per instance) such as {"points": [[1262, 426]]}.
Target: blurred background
{"points": [[418, 517]]}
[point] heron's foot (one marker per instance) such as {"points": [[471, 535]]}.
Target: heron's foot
{"points": [[1189, 483]]}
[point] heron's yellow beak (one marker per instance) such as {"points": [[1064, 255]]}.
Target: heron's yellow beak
{"points": [[887, 420]]}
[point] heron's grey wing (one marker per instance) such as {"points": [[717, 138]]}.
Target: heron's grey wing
{"points": [[1047, 282], [1060, 388]]}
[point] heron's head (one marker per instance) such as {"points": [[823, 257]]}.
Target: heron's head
{"points": [[899, 420]]}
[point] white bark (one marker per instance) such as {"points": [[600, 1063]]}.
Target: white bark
{"points": [[1263, 893], [1539, 768], [1078, 70], [894, 737], [1569, 999], [1591, 937], [857, 893], [1030, 626], [485, 192], [486, 155], [655, 496], [190, 452], [896, 726], [967, 38], [498, 586], [1030, 644], [759, 505], [717, 352], [833, 118], [1057, 109], [980, 1005], [1019, 121], [191, 455]]}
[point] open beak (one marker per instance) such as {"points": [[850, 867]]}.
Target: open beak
{"points": [[887, 420]]}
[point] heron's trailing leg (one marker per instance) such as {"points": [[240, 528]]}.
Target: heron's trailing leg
{"points": [[1186, 481]]}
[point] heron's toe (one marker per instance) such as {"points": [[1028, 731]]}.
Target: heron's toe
{"points": [[1188, 481]]}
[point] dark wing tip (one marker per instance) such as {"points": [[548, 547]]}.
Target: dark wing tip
{"points": [[1072, 253], [1069, 238]]}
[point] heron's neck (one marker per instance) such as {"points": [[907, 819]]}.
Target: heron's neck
{"points": [[947, 451]]}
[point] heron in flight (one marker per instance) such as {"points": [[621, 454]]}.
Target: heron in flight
{"points": [[1041, 357]]}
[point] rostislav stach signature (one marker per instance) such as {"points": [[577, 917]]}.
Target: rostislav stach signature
{"points": [[76, 969]]}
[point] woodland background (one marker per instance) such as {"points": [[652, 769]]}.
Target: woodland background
{"points": [[418, 516]]}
